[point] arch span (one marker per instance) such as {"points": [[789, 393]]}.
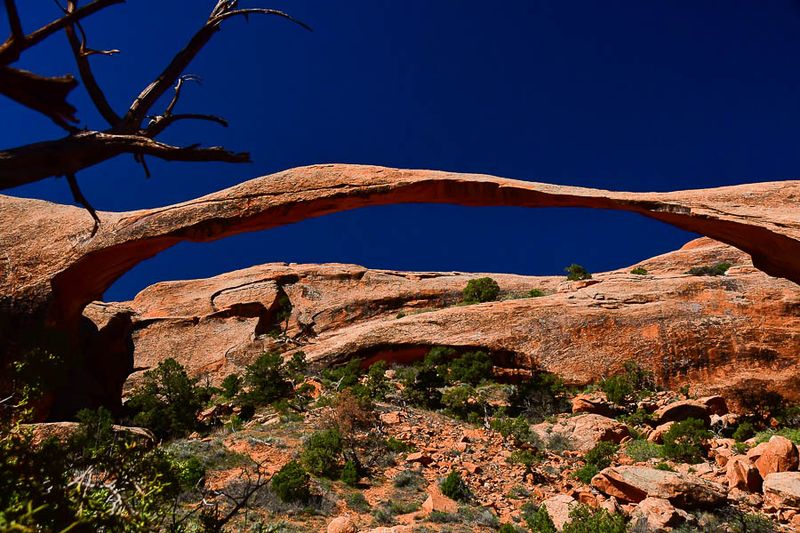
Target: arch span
{"points": [[53, 268]]}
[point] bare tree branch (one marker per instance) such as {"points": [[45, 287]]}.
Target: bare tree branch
{"points": [[150, 95], [81, 199], [45, 95], [81, 54], [13, 21], [12, 48], [84, 149], [159, 124]]}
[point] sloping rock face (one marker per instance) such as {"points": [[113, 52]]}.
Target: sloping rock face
{"points": [[714, 332]]}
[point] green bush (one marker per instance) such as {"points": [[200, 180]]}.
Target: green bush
{"points": [[507, 528], [790, 433], [231, 386], [744, 431], [40, 487], [536, 293], [596, 459], [543, 395], [617, 388], [377, 384], [684, 441], [322, 452], [344, 376], [398, 446], [357, 502], [167, 401], [471, 367], [537, 519], [461, 401], [576, 272], [639, 271], [517, 428], [291, 483], [481, 290], [267, 379], [641, 450], [349, 474], [585, 520], [718, 269], [454, 487]]}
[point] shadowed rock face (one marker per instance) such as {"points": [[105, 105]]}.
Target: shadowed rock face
{"points": [[714, 332], [51, 267]]}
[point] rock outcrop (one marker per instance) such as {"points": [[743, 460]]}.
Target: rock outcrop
{"points": [[635, 483], [714, 332], [52, 266]]}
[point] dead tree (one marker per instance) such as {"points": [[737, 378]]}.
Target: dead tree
{"points": [[132, 132]]}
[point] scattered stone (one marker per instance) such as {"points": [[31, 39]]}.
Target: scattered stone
{"points": [[390, 418], [419, 457]]}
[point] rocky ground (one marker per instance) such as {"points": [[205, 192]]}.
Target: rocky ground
{"points": [[737, 486]]}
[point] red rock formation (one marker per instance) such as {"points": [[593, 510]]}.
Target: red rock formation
{"points": [[51, 267], [715, 332]]}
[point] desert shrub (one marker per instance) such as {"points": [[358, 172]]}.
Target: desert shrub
{"points": [[398, 446], [507, 528], [267, 379], [481, 290], [576, 272], [349, 474], [536, 293], [471, 367], [664, 466], [633, 381], [517, 428], [585, 520], [537, 519], [617, 388], [640, 417], [526, 458], [558, 442], [596, 459], [641, 450], [454, 487], [56, 486], [322, 452], [39, 371], [543, 395], [463, 401], [743, 431], [790, 433], [342, 377], [421, 386], [291, 483], [684, 441], [357, 502], [231, 386], [377, 384], [639, 271], [718, 269], [407, 478], [167, 401]]}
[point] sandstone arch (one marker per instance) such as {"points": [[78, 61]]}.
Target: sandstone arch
{"points": [[51, 267]]}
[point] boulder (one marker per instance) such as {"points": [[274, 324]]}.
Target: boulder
{"points": [[681, 410], [342, 524], [437, 501], [559, 507], [595, 403], [583, 431], [741, 474], [782, 490], [419, 457], [657, 435], [657, 515], [635, 483], [779, 454], [716, 405]]}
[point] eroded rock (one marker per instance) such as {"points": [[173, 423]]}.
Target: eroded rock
{"points": [[635, 483]]}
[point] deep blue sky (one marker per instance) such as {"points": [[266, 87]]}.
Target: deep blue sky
{"points": [[629, 95]]}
